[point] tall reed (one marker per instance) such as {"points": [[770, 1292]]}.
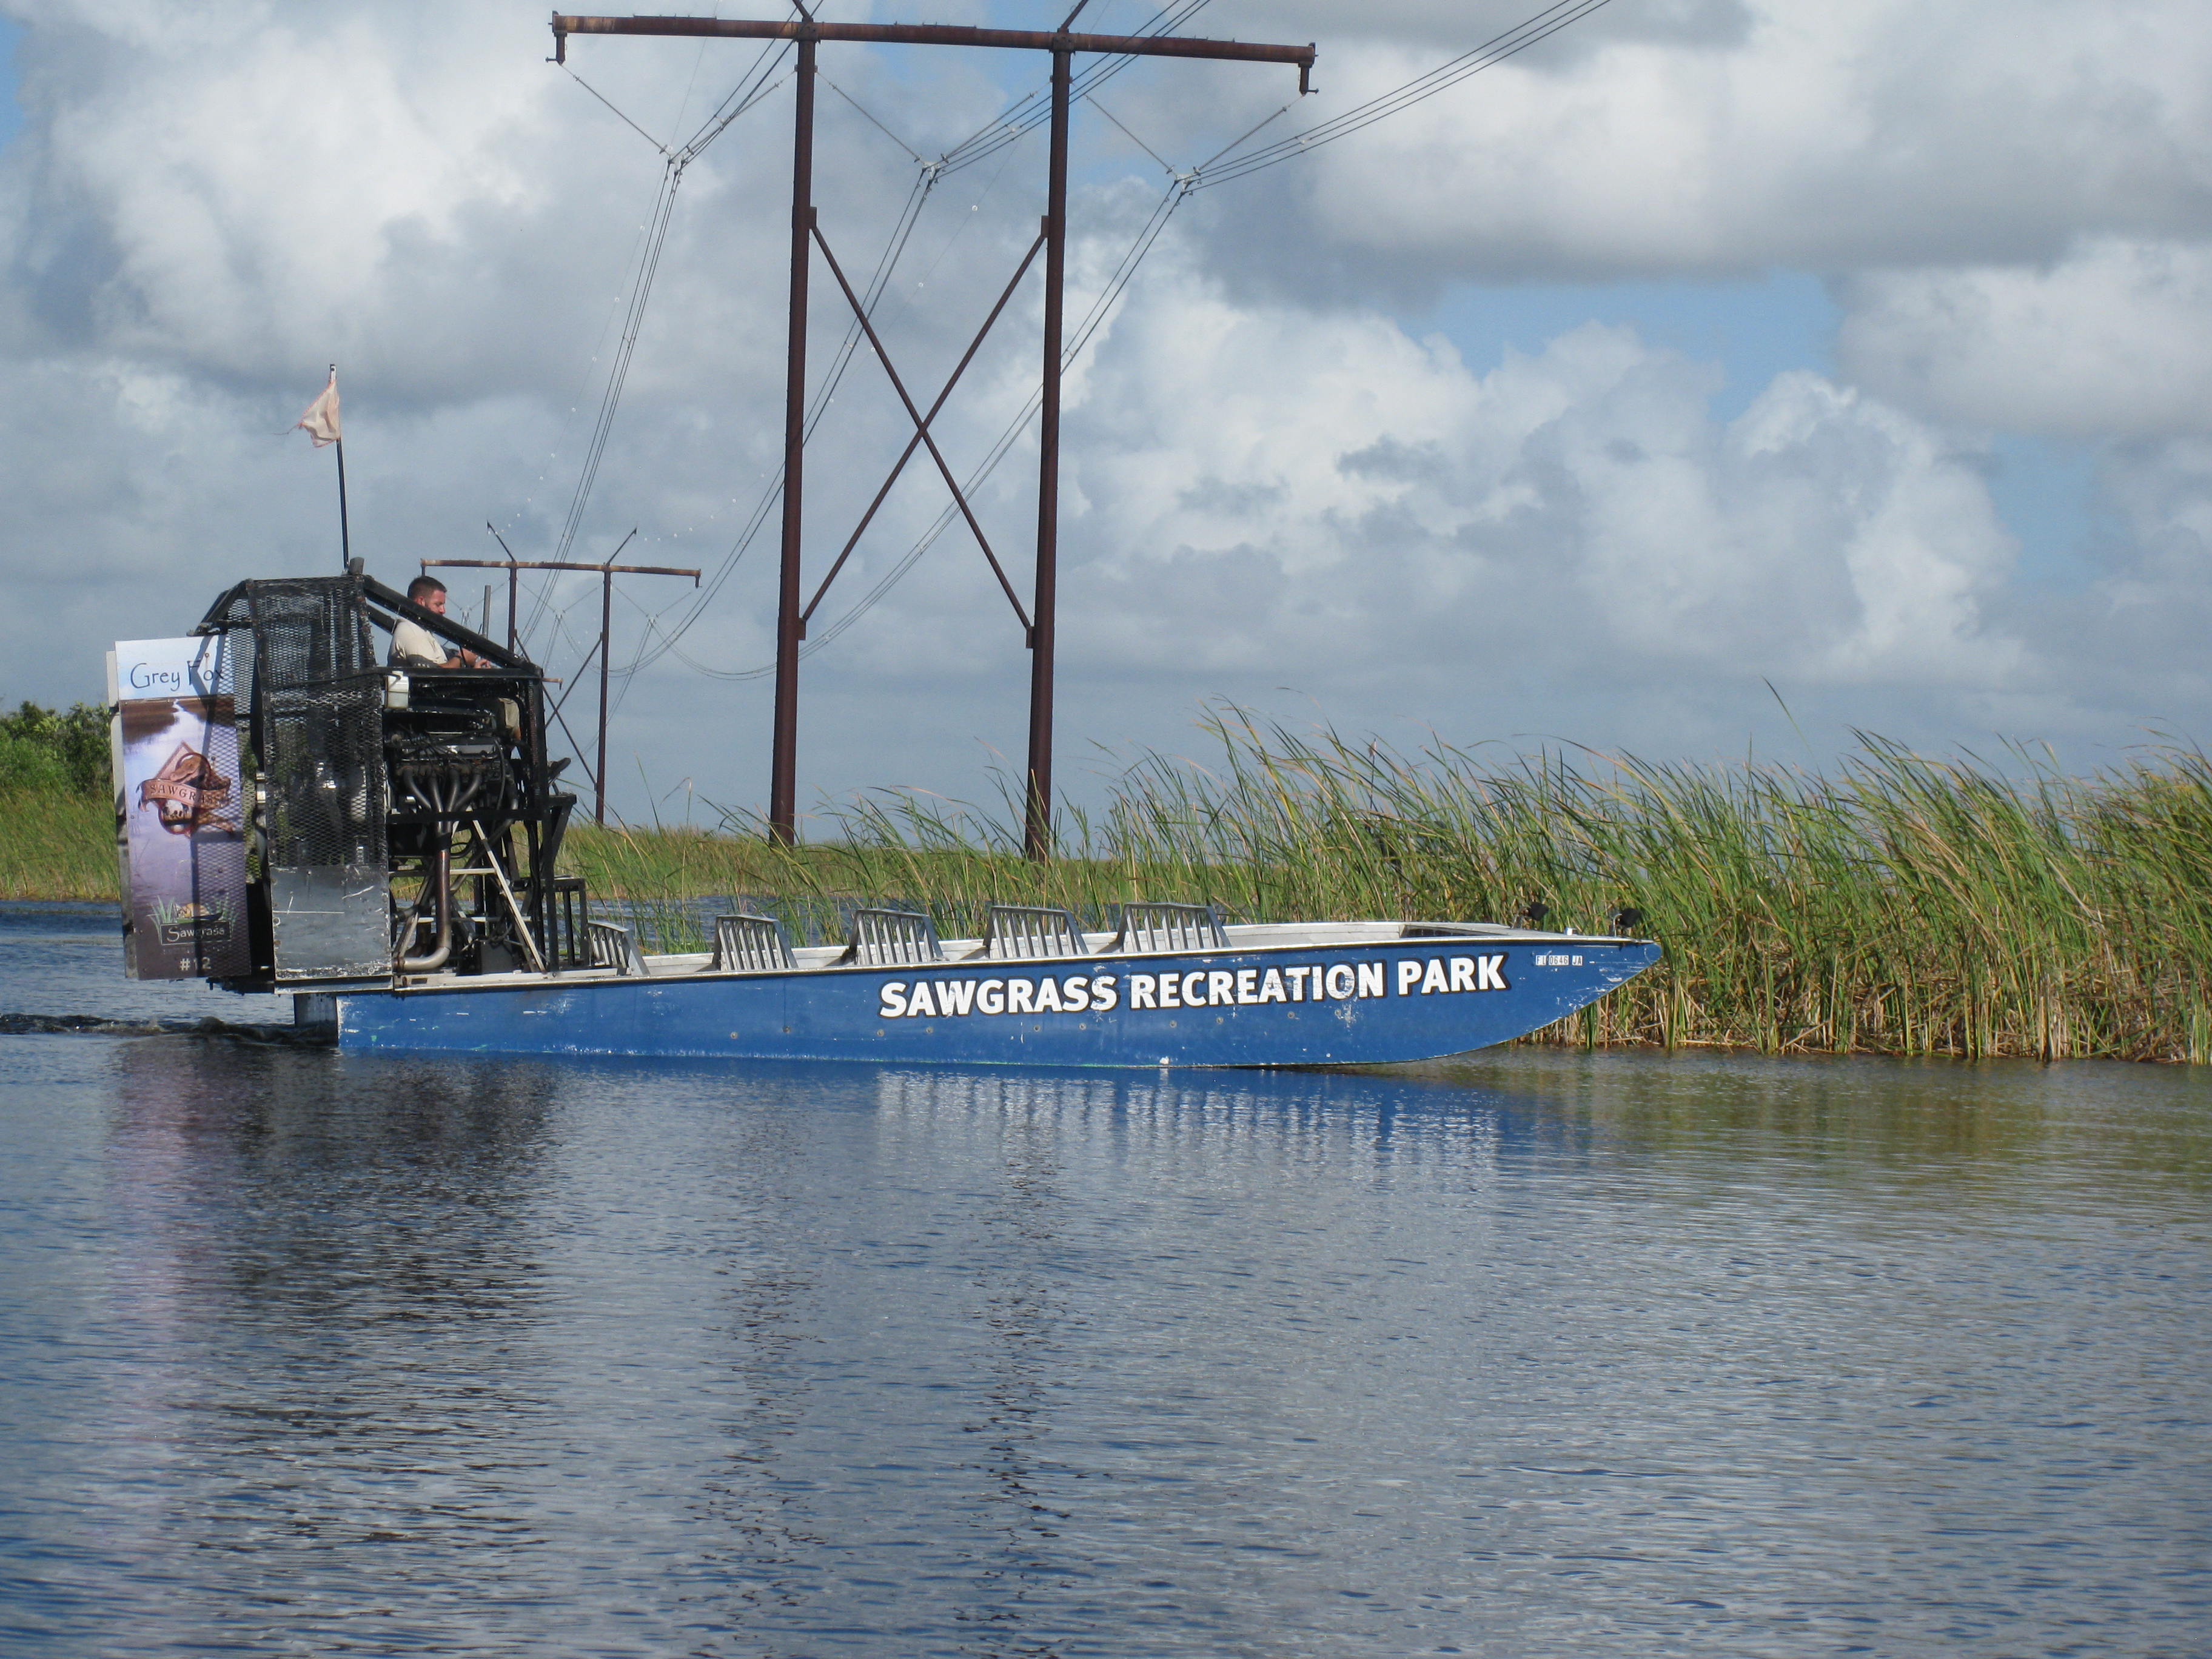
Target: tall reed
{"points": [[1897, 904], [1903, 904], [57, 844]]}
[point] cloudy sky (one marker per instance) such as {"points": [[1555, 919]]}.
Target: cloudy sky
{"points": [[1861, 352]]}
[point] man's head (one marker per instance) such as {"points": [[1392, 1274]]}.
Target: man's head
{"points": [[428, 593]]}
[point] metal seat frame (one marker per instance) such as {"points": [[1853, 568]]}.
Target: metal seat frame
{"points": [[1156, 925], [751, 945], [891, 938], [613, 946], [1030, 932]]}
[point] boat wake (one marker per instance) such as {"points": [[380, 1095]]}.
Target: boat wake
{"points": [[219, 1029]]}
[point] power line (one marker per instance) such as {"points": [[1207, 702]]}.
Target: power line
{"points": [[664, 208], [1016, 122], [919, 160], [1023, 116], [819, 406], [752, 88], [618, 115], [1132, 137], [742, 97], [1032, 111], [1124, 272], [1492, 52], [1495, 50]]}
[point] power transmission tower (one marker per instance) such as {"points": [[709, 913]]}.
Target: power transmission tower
{"points": [[1040, 628]]}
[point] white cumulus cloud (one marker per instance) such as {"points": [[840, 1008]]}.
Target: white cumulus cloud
{"points": [[2112, 340], [1271, 481]]}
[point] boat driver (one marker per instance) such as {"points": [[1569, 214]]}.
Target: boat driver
{"points": [[414, 646]]}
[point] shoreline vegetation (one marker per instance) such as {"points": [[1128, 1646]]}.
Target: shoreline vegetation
{"points": [[1897, 905], [57, 823]]}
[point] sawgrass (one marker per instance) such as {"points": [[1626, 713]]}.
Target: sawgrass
{"points": [[1899, 904], [1902, 904], [57, 844], [644, 865]]}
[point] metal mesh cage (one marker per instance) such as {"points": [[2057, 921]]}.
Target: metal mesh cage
{"points": [[1164, 926], [233, 609], [318, 699], [1016, 933]]}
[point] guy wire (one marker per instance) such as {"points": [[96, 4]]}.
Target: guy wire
{"points": [[1021, 118]]}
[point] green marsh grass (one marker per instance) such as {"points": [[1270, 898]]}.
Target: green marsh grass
{"points": [[1897, 905], [57, 844], [1902, 904], [57, 816]]}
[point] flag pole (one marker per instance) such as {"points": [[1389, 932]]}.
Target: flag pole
{"points": [[346, 532]]}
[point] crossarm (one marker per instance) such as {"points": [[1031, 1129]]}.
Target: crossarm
{"points": [[936, 35]]}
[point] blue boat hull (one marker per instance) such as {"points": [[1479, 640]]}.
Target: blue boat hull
{"points": [[1369, 1004]]}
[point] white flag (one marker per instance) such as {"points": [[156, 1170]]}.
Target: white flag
{"points": [[321, 420]]}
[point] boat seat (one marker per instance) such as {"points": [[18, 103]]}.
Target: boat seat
{"points": [[891, 938], [1030, 932], [613, 947], [751, 945], [1162, 925]]}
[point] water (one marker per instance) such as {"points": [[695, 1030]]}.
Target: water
{"points": [[1526, 1354], [68, 959]]}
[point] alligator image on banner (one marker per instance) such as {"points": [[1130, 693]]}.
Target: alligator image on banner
{"points": [[187, 792]]}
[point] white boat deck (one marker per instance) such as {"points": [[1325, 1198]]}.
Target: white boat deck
{"points": [[1287, 936]]}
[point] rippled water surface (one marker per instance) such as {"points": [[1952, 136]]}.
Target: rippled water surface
{"points": [[1530, 1353]]}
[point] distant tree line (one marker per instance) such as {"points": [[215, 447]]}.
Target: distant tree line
{"points": [[55, 752]]}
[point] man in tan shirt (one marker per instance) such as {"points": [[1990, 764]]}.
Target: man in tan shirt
{"points": [[414, 646]]}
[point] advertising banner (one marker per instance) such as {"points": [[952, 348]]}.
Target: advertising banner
{"points": [[180, 801]]}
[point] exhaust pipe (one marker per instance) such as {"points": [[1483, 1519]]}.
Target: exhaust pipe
{"points": [[442, 946]]}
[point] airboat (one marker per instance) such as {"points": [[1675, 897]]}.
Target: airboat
{"points": [[294, 816], [385, 846]]}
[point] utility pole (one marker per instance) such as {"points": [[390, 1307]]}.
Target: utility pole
{"points": [[1036, 794], [1040, 629], [511, 583], [606, 572], [606, 627], [783, 769]]}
